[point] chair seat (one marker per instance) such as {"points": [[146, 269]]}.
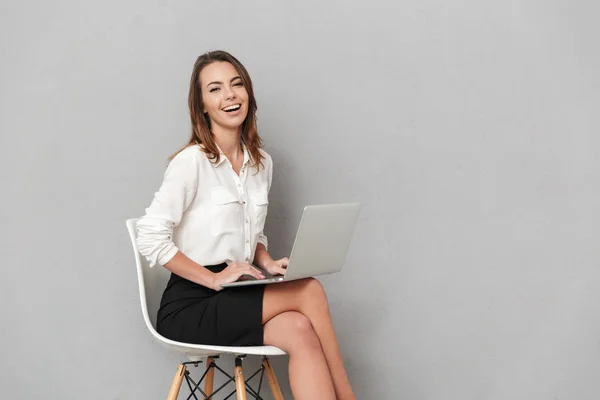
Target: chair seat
{"points": [[196, 351]]}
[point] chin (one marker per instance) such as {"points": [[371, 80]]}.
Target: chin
{"points": [[231, 125]]}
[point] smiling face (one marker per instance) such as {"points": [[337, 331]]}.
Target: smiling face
{"points": [[224, 96]]}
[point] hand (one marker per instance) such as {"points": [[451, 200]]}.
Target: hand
{"points": [[233, 272], [277, 267]]}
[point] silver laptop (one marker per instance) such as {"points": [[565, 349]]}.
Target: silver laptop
{"points": [[321, 244]]}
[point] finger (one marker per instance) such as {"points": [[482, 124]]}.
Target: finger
{"points": [[240, 275], [255, 272], [249, 267], [242, 266], [231, 276], [279, 270], [254, 267]]}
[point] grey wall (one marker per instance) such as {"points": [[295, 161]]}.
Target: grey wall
{"points": [[468, 129]]}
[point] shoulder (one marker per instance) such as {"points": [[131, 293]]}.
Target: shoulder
{"points": [[186, 163], [192, 151], [267, 158], [190, 154]]}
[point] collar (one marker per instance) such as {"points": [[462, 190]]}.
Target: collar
{"points": [[223, 157]]}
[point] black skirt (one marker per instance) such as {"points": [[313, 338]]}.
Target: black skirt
{"points": [[193, 313]]}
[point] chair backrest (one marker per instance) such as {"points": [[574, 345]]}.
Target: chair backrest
{"points": [[152, 281]]}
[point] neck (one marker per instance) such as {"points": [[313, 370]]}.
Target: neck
{"points": [[228, 140]]}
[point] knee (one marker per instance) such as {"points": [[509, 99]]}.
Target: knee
{"points": [[314, 292], [302, 332]]}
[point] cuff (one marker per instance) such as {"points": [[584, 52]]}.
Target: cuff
{"points": [[263, 239], [166, 255]]}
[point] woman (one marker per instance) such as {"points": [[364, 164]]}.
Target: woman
{"points": [[205, 225]]}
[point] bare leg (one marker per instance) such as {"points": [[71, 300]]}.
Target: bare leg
{"points": [[308, 370], [307, 297]]}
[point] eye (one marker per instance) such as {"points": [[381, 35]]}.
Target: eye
{"points": [[214, 89], [240, 83]]}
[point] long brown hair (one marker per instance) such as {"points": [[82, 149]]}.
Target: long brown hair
{"points": [[201, 133]]}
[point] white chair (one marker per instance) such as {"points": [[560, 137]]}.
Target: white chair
{"points": [[152, 282]]}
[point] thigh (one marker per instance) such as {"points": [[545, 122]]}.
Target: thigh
{"points": [[298, 295]]}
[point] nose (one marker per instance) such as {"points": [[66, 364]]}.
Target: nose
{"points": [[229, 93]]}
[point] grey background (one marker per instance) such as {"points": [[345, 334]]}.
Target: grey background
{"points": [[468, 130]]}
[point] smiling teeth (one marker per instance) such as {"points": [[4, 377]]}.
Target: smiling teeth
{"points": [[231, 108]]}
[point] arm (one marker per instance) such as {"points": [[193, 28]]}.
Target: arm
{"points": [[175, 195], [155, 229], [263, 259], [263, 242], [183, 266], [262, 256]]}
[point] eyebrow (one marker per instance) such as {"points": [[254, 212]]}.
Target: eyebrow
{"points": [[220, 83]]}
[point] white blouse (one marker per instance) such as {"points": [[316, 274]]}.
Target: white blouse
{"points": [[206, 210]]}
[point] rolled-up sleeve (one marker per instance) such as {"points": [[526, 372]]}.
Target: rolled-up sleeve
{"points": [[262, 238], [177, 191]]}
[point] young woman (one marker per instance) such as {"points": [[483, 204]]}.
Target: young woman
{"points": [[205, 224]]}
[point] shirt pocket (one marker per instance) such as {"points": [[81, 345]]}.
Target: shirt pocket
{"points": [[226, 212], [260, 203]]}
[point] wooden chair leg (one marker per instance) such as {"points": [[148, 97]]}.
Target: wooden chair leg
{"points": [[275, 389], [176, 385], [240, 383], [209, 378]]}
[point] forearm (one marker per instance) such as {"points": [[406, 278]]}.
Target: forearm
{"points": [[261, 256], [186, 268]]}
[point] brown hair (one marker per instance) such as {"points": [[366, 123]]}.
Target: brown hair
{"points": [[201, 133]]}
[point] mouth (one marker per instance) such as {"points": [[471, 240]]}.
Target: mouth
{"points": [[232, 108]]}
